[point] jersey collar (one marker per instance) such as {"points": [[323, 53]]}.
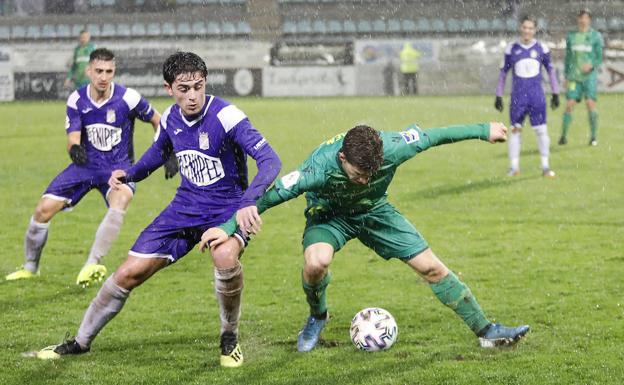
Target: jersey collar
{"points": [[527, 46], [99, 105], [200, 115]]}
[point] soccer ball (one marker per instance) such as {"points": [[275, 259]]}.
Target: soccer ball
{"points": [[373, 329]]}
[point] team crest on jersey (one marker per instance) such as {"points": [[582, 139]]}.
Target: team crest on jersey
{"points": [[533, 53], [204, 143], [410, 136], [290, 179], [200, 169], [110, 116]]}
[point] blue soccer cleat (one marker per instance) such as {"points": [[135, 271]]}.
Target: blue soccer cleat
{"points": [[309, 335], [498, 335]]}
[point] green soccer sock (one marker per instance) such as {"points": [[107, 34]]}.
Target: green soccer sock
{"points": [[316, 295], [567, 119], [455, 294], [593, 123]]}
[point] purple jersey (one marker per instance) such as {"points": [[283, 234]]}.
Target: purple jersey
{"points": [[212, 153], [107, 128], [526, 62]]}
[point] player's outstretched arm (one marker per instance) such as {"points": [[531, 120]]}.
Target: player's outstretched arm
{"points": [[498, 132], [154, 157], [269, 166]]}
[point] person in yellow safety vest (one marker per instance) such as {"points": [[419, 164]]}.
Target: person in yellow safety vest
{"points": [[409, 69]]}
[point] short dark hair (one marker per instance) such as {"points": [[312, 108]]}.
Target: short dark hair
{"points": [[530, 18], [585, 11], [104, 54], [83, 31], [182, 63], [362, 147]]}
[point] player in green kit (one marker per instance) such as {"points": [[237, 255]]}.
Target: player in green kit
{"points": [[77, 75], [582, 59], [346, 181]]}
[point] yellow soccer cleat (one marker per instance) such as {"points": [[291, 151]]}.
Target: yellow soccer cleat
{"points": [[48, 353], [21, 274], [91, 274], [231, 354]]}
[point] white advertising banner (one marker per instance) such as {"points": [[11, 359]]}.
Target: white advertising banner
{"points": [[309, 81], [57, 56], [6, 75], [611, 77]]}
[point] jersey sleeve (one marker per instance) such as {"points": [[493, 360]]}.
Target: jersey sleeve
{"points": [[73, 122], [154, 157], [504, 68], [550, 69], [139, 105], [402, 146], [598, 47], [288, 187], [569, 60], [239, 128]]}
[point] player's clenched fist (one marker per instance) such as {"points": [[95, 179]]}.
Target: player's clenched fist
{"points": [[118, 177], [498, 132]]}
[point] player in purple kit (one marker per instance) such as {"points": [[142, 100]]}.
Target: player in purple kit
{"points": [[526, 57], [99, 124], [211, 139]]}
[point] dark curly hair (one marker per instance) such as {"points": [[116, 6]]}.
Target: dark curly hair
{"points": [[362, 147], [183, 63]]}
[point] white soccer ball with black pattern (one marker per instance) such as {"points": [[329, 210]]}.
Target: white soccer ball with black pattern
{"points": [[373, 329]]}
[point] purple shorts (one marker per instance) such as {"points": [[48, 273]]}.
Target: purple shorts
{"points": [[172, 234], [73, 183], [535, 107]]}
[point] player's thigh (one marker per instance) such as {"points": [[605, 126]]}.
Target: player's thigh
{"points": [[167, 237], [47, 208], [335, 231], [70, 186], [574, 92], [135, 270], [118, 199], [590, 90], [428, 266], [537, 112], [389, 234], [518, 109]]}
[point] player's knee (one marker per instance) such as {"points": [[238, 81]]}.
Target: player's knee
{"points": [[44, 212], [128, 277], [120, 199], [516, 130], [316, 265], [226, 254]]}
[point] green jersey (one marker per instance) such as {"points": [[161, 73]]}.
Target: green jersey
{"points": [[77, 72], [328, 188], [582, 48]]}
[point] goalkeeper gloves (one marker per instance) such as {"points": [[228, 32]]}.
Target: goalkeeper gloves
{"points": [[498, 103], [171, 166], [78, 154], [554, 101]]}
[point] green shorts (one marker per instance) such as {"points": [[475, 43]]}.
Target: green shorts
{"points": [[383, 229], [577, 89]]}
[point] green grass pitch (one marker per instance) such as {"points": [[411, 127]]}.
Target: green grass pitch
{"points": [[544, 252]]}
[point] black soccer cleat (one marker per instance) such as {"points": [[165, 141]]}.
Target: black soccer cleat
{"points": [[56, 351]]}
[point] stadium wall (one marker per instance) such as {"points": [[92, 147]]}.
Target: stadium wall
{"points": [[241, 68]]}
